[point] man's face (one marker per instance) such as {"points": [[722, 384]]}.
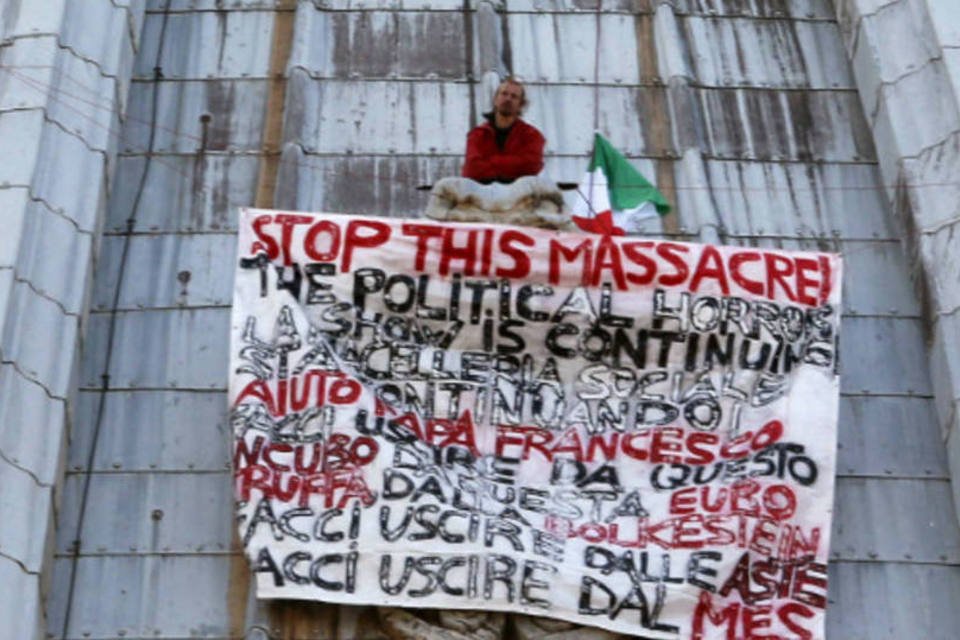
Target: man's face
{"points": [[509, 99]]}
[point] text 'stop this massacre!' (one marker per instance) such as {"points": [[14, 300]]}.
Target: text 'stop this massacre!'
{"points": [[629, 433]]}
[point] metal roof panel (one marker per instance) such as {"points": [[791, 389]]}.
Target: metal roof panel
{"points": [[783, 198], [883, 355], [563, 47], [380, 44], [325, 183], [31, 433], [38, 337], [782, 53], [146, 596], [167, 430], [32, 505], [809, 9], [235, 107], [889, 436], [207, 44], [194, 270], [176, 348], [218, 184], [892, 601], [340, 116], [162, 512], [928, 534]]}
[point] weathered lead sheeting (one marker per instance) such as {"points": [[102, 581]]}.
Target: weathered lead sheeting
{"points": [[723, 123], [889, 436], [38, 336], [883, 355], [885, 500], [808, 9], [188, 271], [28, 404], [788, 199], [380, 44], [67, 185], [206, 201], [168, 343], [74, 93], [329, 183], [785, 53], [235, 109], [909, 97], [864, 598], [207, 44], [536, 57], [147, 596], [42, 270], [162, 430], [208, 5], [338, 116], [195, 512]]}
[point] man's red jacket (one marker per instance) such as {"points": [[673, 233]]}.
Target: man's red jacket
{"points": [[522, 153]]}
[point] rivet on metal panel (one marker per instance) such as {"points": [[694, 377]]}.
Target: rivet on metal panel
{"points": [[157, 514], [872, 555], [117, 465]]}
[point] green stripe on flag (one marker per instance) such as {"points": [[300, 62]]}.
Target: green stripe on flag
{"points": [[627, 186]]}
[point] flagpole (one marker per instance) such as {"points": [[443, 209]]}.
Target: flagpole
{"points": [[593, 156]]}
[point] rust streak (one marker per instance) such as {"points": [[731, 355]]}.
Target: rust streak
{"points": [[280, 47], [657, 126]]}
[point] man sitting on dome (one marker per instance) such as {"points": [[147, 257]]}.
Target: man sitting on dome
{"points": [[505, 147]]}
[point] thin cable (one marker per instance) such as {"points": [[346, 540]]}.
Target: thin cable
{"points": [[111, 331]]}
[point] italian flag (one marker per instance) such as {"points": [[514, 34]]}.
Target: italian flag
{"points": [[613, 197]]}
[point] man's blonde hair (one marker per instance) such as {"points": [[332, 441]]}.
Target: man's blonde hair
{"points": [[515, 81]]}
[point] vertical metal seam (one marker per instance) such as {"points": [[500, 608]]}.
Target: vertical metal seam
{"points": [[470, 59], [596, 69]]}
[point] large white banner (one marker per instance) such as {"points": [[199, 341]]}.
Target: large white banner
{"points": [[629, 433]]}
